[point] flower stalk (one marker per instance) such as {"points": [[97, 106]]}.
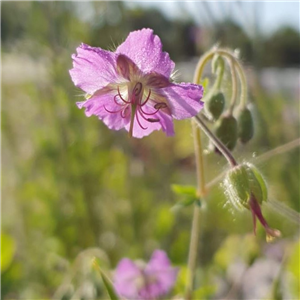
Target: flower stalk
{"points": [[198, 123], [230, 57]]}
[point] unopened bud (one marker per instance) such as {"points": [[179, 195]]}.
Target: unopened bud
{"points": [[245, 187], [226, 131], [214, 105], [245, 125], [242, 181]]}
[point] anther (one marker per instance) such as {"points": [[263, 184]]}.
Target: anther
{"points": [[137, 89], [152, 120], [160, 105]]}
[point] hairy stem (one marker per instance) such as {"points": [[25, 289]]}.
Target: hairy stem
{"points": [[221, 147], [201, 189]]}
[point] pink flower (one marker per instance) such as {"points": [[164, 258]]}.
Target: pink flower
{"points": [[131, 88], [145, 282]]}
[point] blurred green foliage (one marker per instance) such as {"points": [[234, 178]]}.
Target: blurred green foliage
{"points": [[69, 184]]}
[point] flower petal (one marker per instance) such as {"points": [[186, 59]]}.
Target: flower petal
{"points": [[183, 99], [127, 68], [145, 50], [159, 267], [125, 276], [104, 107], [93, 68]]}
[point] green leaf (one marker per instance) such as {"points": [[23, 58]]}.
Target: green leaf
{"points": [[187, 190], [8, 249], [188, 195], [107, 283]]}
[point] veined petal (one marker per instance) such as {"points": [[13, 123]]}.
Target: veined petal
{"points": [[93, 68], [166, 122], [145, 50], [156, 80], [184, 99], [127, 68], [104, 107]]}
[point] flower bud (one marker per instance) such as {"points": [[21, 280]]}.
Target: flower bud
{"points": [[245, 125], [242, 181], [245, 187], [214, 105], [226, 131]]}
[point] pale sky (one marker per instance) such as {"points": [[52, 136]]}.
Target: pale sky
{"points": [[268, 15]]}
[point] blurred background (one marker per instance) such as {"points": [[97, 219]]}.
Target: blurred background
{"points": [[72, 189]]}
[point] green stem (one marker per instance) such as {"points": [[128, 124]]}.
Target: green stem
{"points": [[221, 147], [234, 87], [226, 53], [201, 189], [193, 249]]}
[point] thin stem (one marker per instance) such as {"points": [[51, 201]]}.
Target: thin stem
{"points": [[201, 190], [226, 53], [221, 147], [234, 86], [278, 150]]}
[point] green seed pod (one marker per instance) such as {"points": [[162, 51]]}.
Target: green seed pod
{"points": [[226, 131], [245, 125], [214, 105], [242, 181]]}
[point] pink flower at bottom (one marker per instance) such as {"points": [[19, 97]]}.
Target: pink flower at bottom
{"points": [[131, 87], [145, 282]]}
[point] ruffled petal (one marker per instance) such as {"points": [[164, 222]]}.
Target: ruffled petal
{"points": [[183, 99], [145, 50], [125, 278], [104, 107], [93, 68]]}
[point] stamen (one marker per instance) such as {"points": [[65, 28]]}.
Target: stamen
{"points": [[137, 89], [125, 101], [112, 111], [148, 97], [124, 112], [152, 120], [115, 100], [160, 105], [137, 118], [147, 113]]}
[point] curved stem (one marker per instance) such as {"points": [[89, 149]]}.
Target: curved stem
{"points": [[226, 53], [234, 87], [221, 147], [201, 189]]}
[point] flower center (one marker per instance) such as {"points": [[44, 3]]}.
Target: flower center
{"points": [[134, 103]]}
